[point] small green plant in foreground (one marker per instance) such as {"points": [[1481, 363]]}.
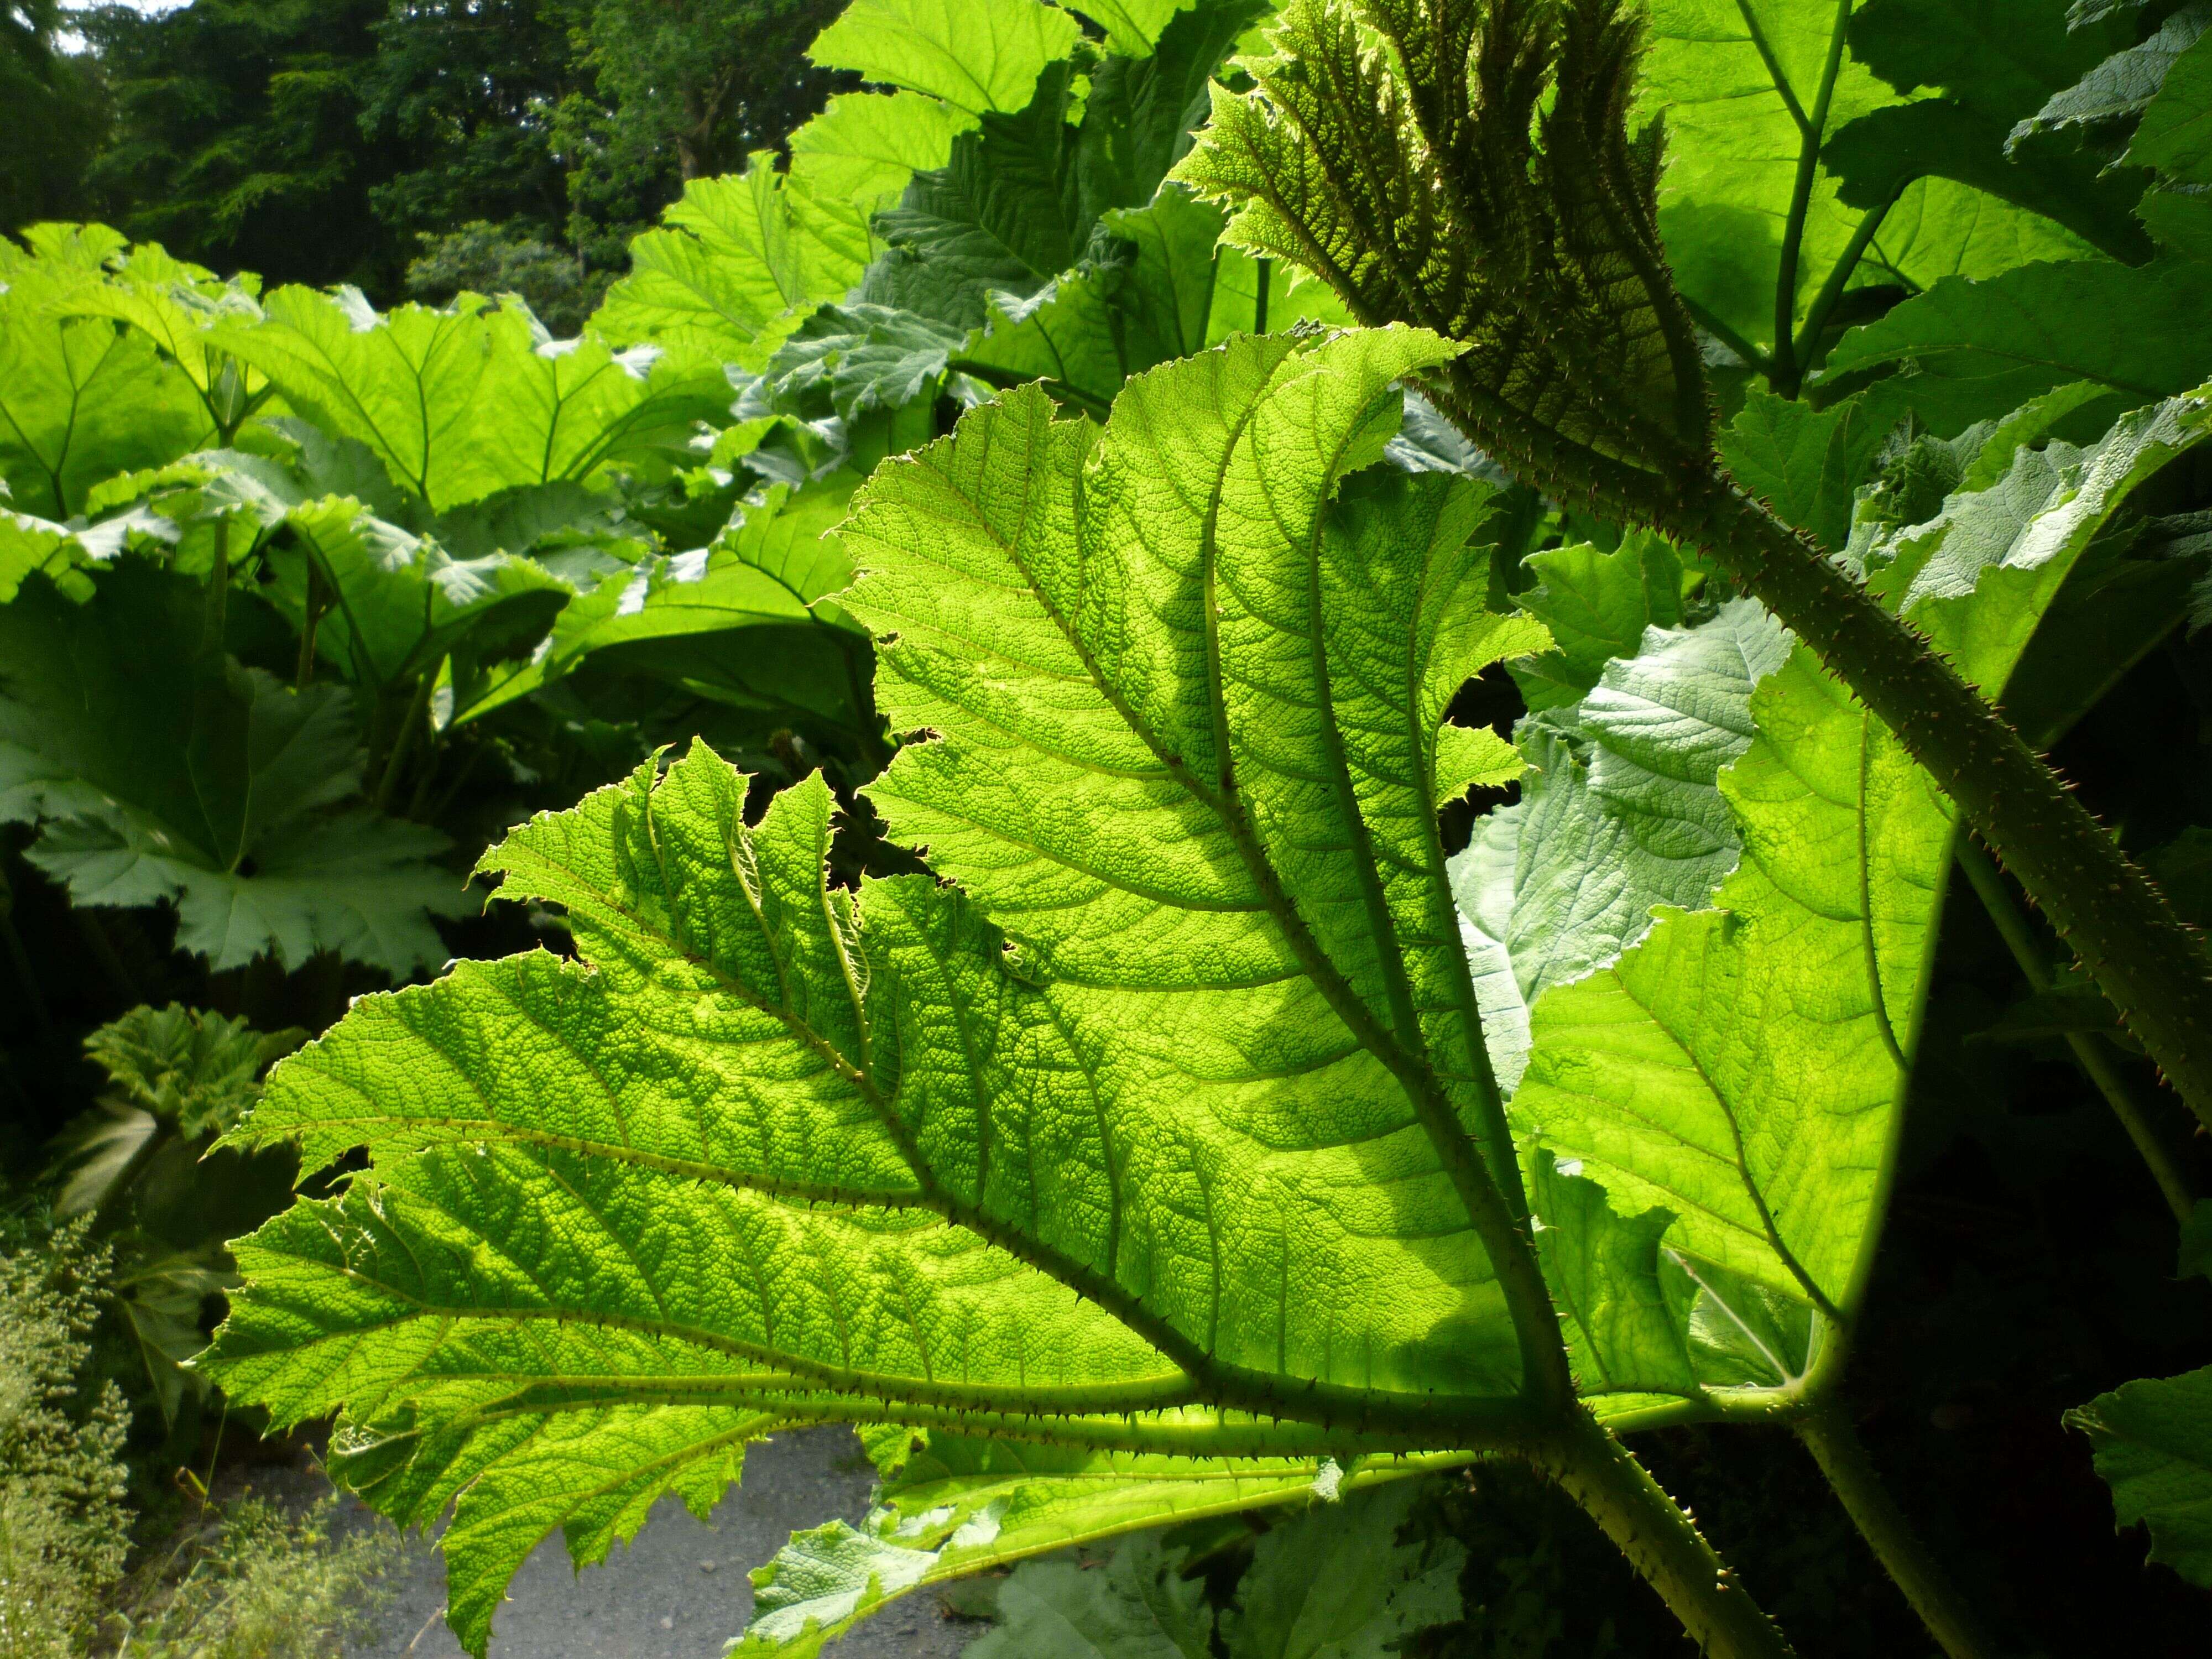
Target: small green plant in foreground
{"points": [[243, 1579], [64, 1529], [249, 1580]]}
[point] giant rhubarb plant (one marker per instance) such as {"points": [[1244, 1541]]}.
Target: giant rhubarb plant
{"points": [[1161, 1134], [1169, 1129], [1466, 166]]}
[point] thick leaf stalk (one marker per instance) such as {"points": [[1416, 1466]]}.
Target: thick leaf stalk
{"points": [[2100, 902], [1829, 1436], [1430, 183], [1660, 1543]]}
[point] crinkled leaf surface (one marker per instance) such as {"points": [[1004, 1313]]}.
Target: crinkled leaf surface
{"points": [[157, 775], [853, 160], [391, 603], [1148, 301], [1012, 209], [771, 1151]]}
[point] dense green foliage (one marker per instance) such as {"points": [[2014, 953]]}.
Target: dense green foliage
{"points": [[1146, 922], [320, 140]]}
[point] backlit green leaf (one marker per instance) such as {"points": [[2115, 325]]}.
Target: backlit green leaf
{"points": [[1742, 1066], [735, 266], [978, 56], [80, 399], [460, 403], [770, 1150]]}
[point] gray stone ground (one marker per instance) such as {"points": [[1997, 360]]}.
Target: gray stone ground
{"points": [[680, 1590]]}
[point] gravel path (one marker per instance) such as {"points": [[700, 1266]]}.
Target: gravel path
{"points": [[680, 1590]]}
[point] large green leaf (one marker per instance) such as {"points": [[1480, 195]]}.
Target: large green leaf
{"points": [[1620, 810], [1806, 463], [1147, 301], [391, 604], [771, 1151], [853, 160], [2175, 133], [159, 774], [2154, 1441], [952, 1505], [1978, 349], [461, 404], [1742, 1066], [1338, 1584], [745, 621], [179, 305], [1140, 113], [59, 552], [863, 357], [1751, 90], [81, 400], [2124, 84], [1996, 62], [731, 271], [1009, 211], [979, 56], [1596, 605], [394, 605], [1044, 247], [744, 257]]}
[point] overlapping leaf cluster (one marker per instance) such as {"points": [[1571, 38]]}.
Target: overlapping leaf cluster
{"points": [[1131, 1170], [487, 542]]}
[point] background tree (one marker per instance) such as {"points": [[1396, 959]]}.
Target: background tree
{"points": [[57, 116], [237, 138], [709, 79], [466, 89], [410, 147], [480, 258]]}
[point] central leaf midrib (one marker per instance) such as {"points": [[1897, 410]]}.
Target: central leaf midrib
{"points": [[1444, 915]]}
